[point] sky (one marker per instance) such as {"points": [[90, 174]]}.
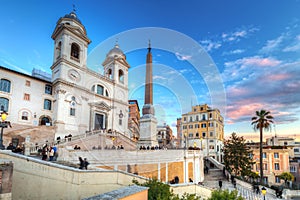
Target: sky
{"points": [[237, 56]]}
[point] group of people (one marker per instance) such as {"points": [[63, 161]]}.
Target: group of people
{"points": [[149, 148], [49, 152], [17, 149], [83, 163]]}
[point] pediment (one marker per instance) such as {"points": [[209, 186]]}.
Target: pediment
{"points": [[100, 105]]}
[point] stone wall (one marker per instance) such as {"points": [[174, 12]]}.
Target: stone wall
{"points": [[37, 179]]}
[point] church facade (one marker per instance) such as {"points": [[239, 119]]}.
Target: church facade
{"points": [[80, 99]]}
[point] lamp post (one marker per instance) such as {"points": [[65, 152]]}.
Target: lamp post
{"points": [[3, 124], [264, 192]]}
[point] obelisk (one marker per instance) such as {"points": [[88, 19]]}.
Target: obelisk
{"points": [[148, 122]]}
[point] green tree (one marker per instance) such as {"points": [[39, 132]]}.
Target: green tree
{"points": [[160, 191], [237, 158], [262, 121], [286, 176], [225, 195]]}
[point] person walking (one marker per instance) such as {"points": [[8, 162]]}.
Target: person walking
{"points": [[220, 184], [81, 163], [85, 163]]}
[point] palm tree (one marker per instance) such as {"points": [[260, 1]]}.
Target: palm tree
{"points": [[262, 121]]}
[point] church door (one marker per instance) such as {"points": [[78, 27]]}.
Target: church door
{"points": [[99, 121]]}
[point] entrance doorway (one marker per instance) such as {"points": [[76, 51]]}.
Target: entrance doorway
{"points": [[99, 121]]}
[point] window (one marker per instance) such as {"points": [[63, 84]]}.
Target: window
{"points": [[211, 134], [24, 115], [203, 134], [5, 85], [211, 124], [265, 180], [4, 102], [120, 122], [197, 118], [264, 155], [47, 104], [48, 89], [121, 76], [265, 166], [211, 147], [210, 115], [190, 126], [203, 125], [276, 166], [75, 51], [191, 119], [276, 155], [58, 50], [293, 169], [203, 117], [277, 179], [109, 73], [99, 89], [27, 83], [191, 135], [184, 119], [27, 97], [251, 155], [197, 135], [196, 125], [184, 127], [72, 111], [296, 150]]}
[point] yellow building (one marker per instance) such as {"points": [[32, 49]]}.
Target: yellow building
{"points": [[203, 127]]}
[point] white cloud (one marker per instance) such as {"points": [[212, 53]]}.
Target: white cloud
{"points": [[209, 45], [236, 51], [272, 45], [182, 57]]}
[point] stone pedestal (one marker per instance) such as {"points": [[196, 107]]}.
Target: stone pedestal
{"points": [[148, 131]]}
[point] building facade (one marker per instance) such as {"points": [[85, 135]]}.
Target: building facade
{"points": [[203, 127], [134, 119], [275, 162], [28, 100], [76, 99]]}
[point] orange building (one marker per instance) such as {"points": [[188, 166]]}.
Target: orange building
{"points": [[275, 162], [134, 119]]}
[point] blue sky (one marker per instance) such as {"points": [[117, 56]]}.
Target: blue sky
{"points": [[247, 52]]}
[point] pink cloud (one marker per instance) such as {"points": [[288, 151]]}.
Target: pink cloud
{"points": [[279, 77], [261, 62], [243, 109]]}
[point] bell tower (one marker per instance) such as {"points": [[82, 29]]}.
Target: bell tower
{"points": [[70, 45]]}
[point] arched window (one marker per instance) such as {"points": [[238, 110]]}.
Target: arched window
{"points": [[75, 51], [24, 115], [121, 76], [109, 73], [45, 121], [5, 85], [4, 102], [47, 104]]}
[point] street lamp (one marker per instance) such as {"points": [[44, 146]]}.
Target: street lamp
{"points": [[264, 192], [3, 124]]}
